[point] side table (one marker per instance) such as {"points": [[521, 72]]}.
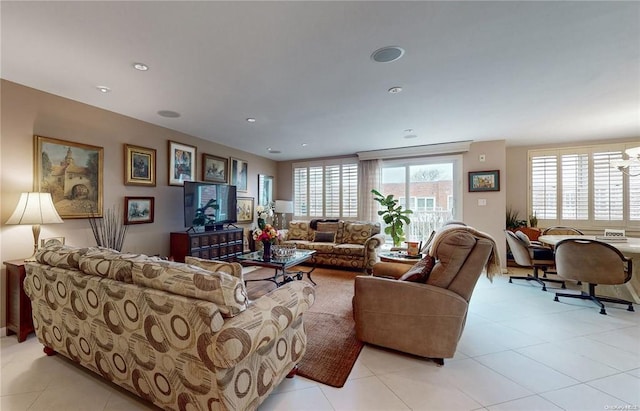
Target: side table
{"points": [[18, 306]]}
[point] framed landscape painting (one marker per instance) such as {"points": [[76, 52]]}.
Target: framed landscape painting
{"points": [[72, 173], [484, 180], [139, 166], [138, 210], [245, 209], [182, 163], [214, 168], [239, 173]]}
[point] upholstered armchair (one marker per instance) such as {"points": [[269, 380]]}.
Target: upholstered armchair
{"points": [[529, 254], [424, 318]]}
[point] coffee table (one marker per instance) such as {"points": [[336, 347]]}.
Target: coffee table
{"points": [[280, 265]]}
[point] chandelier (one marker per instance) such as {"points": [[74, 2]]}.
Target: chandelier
{"points": [[625, 165]]}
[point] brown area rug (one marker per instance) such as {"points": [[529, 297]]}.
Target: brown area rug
{"points": [[332, 346]]}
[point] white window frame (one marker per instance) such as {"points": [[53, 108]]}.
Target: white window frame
{"points": [[347, 199], [590, 222]]}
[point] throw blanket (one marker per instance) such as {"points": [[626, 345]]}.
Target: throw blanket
{"points": [[493, 264]]}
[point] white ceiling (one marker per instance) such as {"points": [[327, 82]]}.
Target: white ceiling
{"points": [[526, 72]]}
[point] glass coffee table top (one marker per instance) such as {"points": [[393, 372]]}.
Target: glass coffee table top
{"points": [[280, 265]]}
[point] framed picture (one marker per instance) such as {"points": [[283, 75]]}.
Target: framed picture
{"points": [[484, 180], [182, 163], [245, 209], [239, 173], [265, 189], [139, 166], [72, 173], [47, 242], [138, 210], [214, 168]]}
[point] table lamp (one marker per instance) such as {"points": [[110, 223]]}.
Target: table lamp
{"points": [[35, 209], [282, 207]]}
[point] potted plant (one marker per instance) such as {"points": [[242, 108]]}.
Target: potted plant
{"points": [[393, 216], [512, 219], [533, 220]]}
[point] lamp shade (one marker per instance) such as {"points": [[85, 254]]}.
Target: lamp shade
{"points": [[35, 208], [284, 206]]}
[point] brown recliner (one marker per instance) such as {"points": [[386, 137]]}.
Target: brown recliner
{"points": [[424, 319]]}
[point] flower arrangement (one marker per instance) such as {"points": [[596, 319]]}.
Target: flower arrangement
{"points": [[268, 233], [264, 212]]}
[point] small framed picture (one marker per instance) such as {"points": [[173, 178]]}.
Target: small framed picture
{"points": [[239, 173], [139, 166], [245, 209], [214, 168], [47, 242], [182, 163], [484, 180], [138, 210]]}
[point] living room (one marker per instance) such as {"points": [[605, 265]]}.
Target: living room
{"points": [[604, 113]]}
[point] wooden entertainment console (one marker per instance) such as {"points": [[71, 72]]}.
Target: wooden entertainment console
{"points": [[211, 245]]}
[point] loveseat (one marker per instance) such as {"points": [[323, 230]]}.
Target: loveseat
{"points": [[351, 244], [422, 309], [177, 335]]}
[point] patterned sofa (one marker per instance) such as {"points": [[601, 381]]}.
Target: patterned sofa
{"points": [[180, 336], [352, 244]]}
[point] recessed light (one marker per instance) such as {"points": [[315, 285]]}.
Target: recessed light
{"points": [[411, 136], [395, 90], [251, 120], [140, 66], [408, 131], [103, 89], [387, 54], [168, 113], [304, 144], [272, 151]]}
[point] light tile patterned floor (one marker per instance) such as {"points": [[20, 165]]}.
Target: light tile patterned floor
{"points": [[520, 351]]}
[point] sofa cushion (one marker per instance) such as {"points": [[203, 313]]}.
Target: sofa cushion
{"points": [[61, 256], [324, 236], [298, 230], [328, 226], [349, 249], [321, 248], [108, 263], [225, 290], [356, 232], [420, 271], [214, 266]]}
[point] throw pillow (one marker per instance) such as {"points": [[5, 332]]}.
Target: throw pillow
{"points": [[298, 230], [420, 271], [356, 233], [324, 237]]}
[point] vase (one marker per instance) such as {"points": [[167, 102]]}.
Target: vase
{"points": [[261, 223], [266, 250]]}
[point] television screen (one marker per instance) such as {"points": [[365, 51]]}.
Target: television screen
{"points": [[208, 204]]}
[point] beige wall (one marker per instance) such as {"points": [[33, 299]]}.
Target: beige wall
{"points": [[27, 112]]}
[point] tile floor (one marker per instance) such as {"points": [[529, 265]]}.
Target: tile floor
{"points": [[520, 351]]}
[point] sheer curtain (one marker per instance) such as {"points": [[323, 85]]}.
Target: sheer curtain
{"points": [[369, 172]]}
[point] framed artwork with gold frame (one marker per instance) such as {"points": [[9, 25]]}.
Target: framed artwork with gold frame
{"points": [[139, 166], [73, 173], [245, 209], [214, 168]]}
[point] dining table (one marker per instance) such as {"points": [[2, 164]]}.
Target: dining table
{"points": [[629, 248]]}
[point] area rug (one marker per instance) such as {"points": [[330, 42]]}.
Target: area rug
{"points": [[332, 346]]}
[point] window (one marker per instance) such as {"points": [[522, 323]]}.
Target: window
{"points": [[426, 186], [326, 189], [578, 187]]}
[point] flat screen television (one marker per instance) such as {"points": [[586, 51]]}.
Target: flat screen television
{"points": [[210, 205]]}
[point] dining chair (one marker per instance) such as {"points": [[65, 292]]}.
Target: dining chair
{"points": [[526, 254], [593, 262], [561, 230]]}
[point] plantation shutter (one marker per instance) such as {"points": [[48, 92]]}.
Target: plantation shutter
{"points": [[300, 191], [575, 186], [315, 191], [332, 191], [544, 191], [607, 187], [350, 190], [634, 193]]}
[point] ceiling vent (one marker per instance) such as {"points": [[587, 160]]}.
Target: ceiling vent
{"points": [[387, 54]]}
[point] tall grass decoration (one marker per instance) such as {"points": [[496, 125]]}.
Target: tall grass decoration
{"points": [[109, 231]]}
